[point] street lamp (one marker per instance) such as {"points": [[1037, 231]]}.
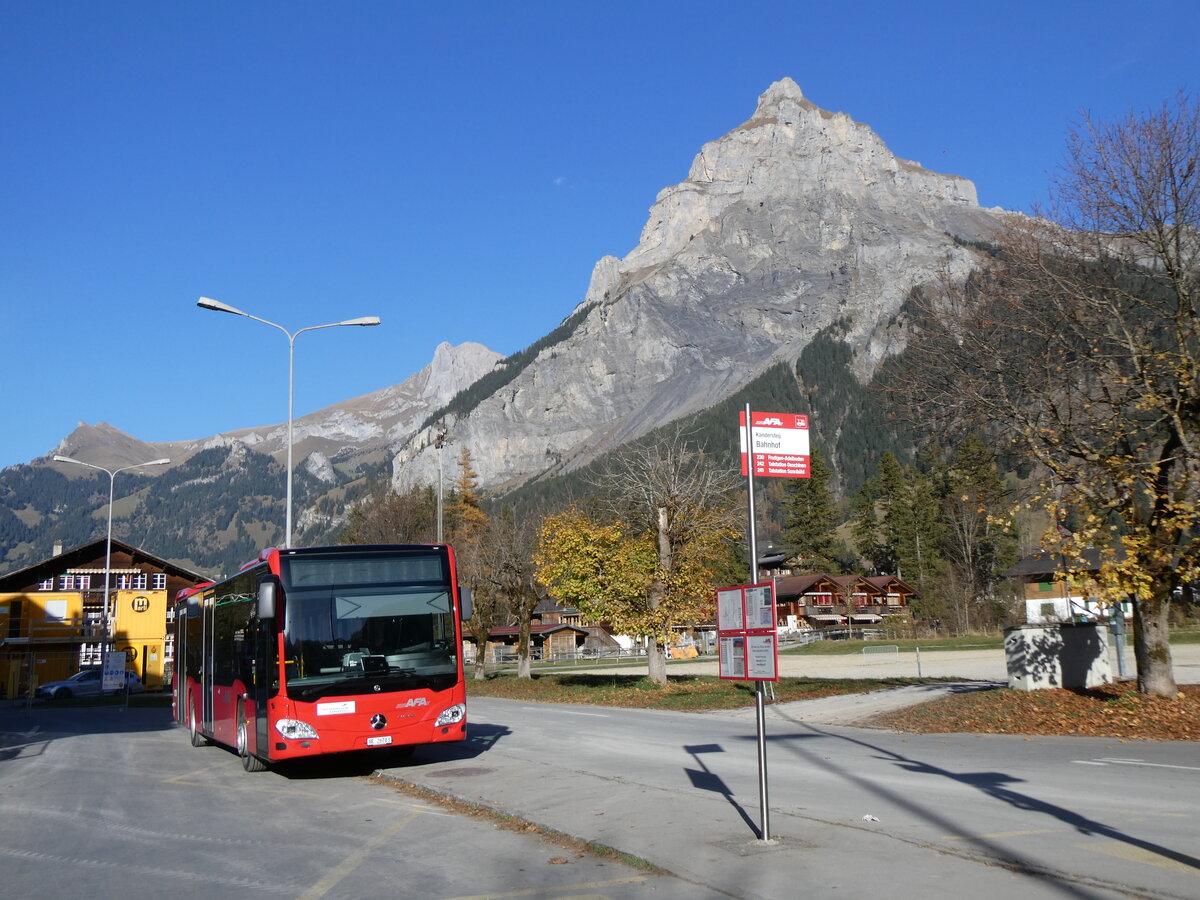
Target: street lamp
{"points": [[209, 303], [112, 480], [440, 441]]}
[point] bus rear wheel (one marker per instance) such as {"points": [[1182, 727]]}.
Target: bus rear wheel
{"points": [[194, 729], [250, 762]]}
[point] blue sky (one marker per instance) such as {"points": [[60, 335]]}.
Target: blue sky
{"points": [[455, 168]]}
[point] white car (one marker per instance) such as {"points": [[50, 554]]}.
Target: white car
{"points": [[84, 684]]}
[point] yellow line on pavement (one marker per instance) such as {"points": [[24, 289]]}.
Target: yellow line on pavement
{"points": [[566, 890], [352, 862], [1140, 855], [999, 834]]}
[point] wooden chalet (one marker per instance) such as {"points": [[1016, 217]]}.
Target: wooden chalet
{"points": [[554, 631], [823, 601]]}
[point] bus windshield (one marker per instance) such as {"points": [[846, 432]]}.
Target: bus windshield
{"points": [[349, 638]]}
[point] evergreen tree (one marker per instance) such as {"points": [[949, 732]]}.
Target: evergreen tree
{"points": [[810, 517]]}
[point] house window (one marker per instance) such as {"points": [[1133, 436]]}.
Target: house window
{"points": [[123, 582], [66, 582], [139, 581], [860, 599], [47, 585], [83, 582], [160, 581], [820, 599], [893, 599]]}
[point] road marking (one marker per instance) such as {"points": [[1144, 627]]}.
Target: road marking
{"points": [[354, 860], [570, 712], [1140, 855], [999, 834], [1148, 765], [419, 808], [178, 779], [230, 786], [565, 891], [150, 872]]}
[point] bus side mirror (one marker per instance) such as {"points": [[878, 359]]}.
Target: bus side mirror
{"points": [[266, 599], [464, 603]]}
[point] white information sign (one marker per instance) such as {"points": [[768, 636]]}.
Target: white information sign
{"points": [[730, 616], [113, 675], [747, 640]]}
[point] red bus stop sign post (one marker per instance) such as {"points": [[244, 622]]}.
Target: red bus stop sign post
{"points": [[774, 445]]}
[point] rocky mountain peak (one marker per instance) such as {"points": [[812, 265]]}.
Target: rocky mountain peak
{"points": [[781, 101], [795, 220]]}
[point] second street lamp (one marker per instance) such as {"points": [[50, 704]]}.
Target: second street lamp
{"points": [[112, 480], [209, 303]]}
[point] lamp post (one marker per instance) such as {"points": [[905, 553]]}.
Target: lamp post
{"points": [[112, 480], [439, 442], [209, 303]]}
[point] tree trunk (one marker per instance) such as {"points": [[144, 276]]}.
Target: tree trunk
{"points": [[1152, 644], [656, 662], [480, 672], [524, 651], [656, 658]]}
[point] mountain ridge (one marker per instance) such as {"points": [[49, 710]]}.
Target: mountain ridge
{"points": [[793, 220]]}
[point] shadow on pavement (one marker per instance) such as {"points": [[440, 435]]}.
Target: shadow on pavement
{"points": [[996, 785]]}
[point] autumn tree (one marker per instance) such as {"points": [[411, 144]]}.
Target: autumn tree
{"points": [[386, 517], [1080, 345], [465, 525], [464, 515], [654, 554], [508, 574]]}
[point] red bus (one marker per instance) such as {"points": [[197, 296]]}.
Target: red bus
{"points": [[324, 650]]}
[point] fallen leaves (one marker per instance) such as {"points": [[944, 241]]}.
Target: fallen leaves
{"points": [[1111, 710]]}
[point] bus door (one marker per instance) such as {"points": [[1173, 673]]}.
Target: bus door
{"points": [[263, 678], [208, 617]]}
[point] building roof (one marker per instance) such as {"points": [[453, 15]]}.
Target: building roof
{"points": [[883, 582], [87, 553], [535, 629], [1043, 563], [795, 585], [550, 605]]}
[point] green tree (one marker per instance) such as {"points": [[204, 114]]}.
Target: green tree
{"points": [[810, 517], [978, 538]]}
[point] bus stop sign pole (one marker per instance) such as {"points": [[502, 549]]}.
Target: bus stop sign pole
{"points": [[760, 715]]}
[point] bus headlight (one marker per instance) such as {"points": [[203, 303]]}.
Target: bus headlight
{"points": [[451, 715], [295, 730]]}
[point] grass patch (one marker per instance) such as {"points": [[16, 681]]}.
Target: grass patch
{"points": [[684, 693]]}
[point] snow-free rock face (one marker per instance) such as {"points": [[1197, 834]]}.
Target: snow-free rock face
{"points": [[794, 220]]}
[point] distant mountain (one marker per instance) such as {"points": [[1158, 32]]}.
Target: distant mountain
{"points": [[777, 270], [798, 223], [221, 499]]}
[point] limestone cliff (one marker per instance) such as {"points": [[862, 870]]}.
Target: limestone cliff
{"points": [[795, 219]]}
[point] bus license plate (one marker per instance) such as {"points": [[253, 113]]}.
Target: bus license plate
{"points": [[378, 741]]}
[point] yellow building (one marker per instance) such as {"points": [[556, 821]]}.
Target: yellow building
{"points": [[53, 616]]}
